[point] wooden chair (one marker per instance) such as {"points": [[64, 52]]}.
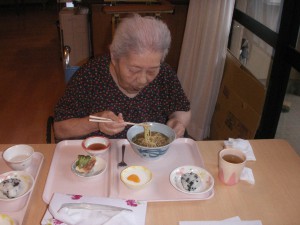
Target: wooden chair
{"points": [[49, 130], [69, 71]]}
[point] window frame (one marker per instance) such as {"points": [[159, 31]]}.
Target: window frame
{"points": [[285, 57]]}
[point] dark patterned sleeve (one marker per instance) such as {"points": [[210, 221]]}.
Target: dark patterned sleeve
{"points": [[75, 102], [176, 99]]}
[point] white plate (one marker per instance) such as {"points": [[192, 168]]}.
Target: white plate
{"points": [[27, 182], [98, 169], [204, 175]]}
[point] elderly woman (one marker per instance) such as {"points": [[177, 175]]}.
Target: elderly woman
{"points": [[132, 83]]}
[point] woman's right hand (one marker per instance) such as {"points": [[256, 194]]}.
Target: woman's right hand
{"points": [[114, 127]]}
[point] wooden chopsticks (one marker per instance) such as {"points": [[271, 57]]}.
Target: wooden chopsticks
{"points": [[99, 119]]}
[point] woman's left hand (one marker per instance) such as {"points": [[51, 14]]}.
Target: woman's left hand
{"points": [[177, 126], [178, 121]]}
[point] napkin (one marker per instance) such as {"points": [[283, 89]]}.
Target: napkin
{"points": [[67, 209], [247, 175], [243, 145], [230, 221]]}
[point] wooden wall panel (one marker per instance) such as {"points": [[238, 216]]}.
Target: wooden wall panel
{"points": [[102, 30]]}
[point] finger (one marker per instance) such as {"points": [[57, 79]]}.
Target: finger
{"points": [[111, 128], [121, 119], [112, 116], [179, 133], [179, 129], [112, 131]]}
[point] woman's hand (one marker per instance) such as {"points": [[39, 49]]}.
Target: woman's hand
{"points": [[178, 121], [177, 126], [111, 128], [77, 127]]}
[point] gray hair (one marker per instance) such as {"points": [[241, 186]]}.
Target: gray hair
{"points": [[138, 34]]}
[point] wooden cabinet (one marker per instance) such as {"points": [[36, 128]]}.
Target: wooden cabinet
{"points": [[101, 32], [10, 2]]}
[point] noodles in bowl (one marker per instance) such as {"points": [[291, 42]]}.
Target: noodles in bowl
{"points": [[150, 141]]}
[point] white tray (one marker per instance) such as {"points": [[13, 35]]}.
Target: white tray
{"points": [[183, 151], [61, 179], [17, 209]]}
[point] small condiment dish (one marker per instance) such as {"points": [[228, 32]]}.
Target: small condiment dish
{"points": [[136, 177], [18, 157], [96, 145], [98, 168]]}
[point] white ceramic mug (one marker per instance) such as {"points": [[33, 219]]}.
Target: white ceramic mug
{"points": [[231, 164]]}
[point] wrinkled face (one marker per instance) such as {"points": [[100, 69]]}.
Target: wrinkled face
{"points": [[136, 71]]}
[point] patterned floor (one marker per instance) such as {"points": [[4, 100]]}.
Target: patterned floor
{"points": [[289, 122]]}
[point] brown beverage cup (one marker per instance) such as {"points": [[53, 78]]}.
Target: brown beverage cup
{"points": [[231, 164]]}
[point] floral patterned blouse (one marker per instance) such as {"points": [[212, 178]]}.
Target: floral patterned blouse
{"points": [[92, 89]]}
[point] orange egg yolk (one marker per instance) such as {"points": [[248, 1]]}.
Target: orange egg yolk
{"points": [[134, 178]]}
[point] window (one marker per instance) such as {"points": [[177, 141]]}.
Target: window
{"points": [[263, 36]]}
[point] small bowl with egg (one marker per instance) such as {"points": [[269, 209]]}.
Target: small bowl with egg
{"points": [[136, 177], [18, 157], [96, 145]]}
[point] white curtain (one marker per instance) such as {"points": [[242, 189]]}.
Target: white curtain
{"points": [[202, 59]]}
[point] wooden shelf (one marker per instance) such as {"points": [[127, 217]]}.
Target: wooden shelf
{"points": [[162, 7]]}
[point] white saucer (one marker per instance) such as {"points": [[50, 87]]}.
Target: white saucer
{"points": [[98, 168], [207, 180]]}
